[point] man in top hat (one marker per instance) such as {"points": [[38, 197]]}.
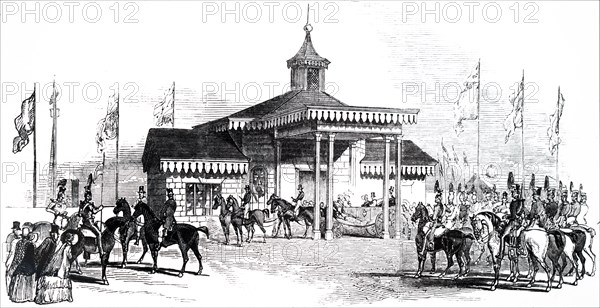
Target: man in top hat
{"points": [[140, 221], [246, 200], [58, 206], [502, 207], [168, 215], [514, 218], [11, 243], [44, 253], [298, 199], [87, 211]]}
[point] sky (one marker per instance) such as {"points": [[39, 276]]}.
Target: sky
{"points": [[384, 54]]}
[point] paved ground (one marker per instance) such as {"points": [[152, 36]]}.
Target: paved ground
{"points": [[298, 272]]}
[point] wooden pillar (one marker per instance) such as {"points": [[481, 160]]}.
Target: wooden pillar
{"points": [[329, 226], [352, 159], [317, 216], [386, 183], [398, 185], [278, 168]]}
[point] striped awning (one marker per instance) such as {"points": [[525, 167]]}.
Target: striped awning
{"points": [[196, 168]]}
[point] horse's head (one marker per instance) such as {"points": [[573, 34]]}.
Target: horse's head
{"points": [[218, 200], [420, 213], [122, 206], [232, 201], [271, 199], [139, 209]]}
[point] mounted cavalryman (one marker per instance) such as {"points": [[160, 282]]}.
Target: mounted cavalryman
{"points": [[564, 208], [514, 217], [87, 210], [58, 206]]}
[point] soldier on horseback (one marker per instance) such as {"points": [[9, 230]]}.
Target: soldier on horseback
{"points": [[564, 209], [168, 216], [58, 206], [87, 210], [298, 200], [551, 209], [536, 207], [514, 219]]}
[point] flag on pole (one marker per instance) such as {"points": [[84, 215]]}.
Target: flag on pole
{"points": [[98, 171], [445, 151], [24, 123], [465, 107], [54, 96], [554, 124], [164, 111], [441, 167], [514, 119], [456, 160], [107, 127], [465, 160]]}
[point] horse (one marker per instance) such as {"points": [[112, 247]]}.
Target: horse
{"points": [[540, 246], [128, 231], [186, 236], [88, 245], [237, 218], [285, 214], [452, 242], [224, 215], [255, 217], [587, 248]]}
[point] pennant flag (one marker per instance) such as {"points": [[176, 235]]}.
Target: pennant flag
{"points": [[98, 171], [465, 160], [514, 120], [456, 160], [164, 111], [54, 95], [466, 107], [24, 123], [441, 167], [108, 127], [445, 151], [554, 124]]}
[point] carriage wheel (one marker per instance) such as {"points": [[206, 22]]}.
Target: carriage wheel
{"points": [[379, 225], [338, 230]]}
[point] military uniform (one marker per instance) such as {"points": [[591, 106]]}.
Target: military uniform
{"points": [[514, 217], [87, 210], [246, 200]]}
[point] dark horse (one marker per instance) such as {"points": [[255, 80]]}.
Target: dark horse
{"points": [[452, 242], [184, 235], [128, 231], [236, 217], [285, 214], [88, 244]]}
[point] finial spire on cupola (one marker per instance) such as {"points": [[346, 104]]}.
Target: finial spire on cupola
{"points": [[308, 68]]}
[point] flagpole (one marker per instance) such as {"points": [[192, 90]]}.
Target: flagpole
{"points": [[34, 148], [558, 143], [102, 186], [523, 132], [173, 105], [117, 146], [478, 114], [53, 146]]}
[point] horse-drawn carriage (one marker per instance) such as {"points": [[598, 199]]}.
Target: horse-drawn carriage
{"points": [[363, 221]]}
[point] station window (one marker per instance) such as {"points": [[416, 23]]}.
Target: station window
{"points": [[198, 198]]}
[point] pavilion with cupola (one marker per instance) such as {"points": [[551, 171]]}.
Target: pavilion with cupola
{"points": [[304, 136]]}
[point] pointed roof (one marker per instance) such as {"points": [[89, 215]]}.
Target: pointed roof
{"points": [[307, 55]]}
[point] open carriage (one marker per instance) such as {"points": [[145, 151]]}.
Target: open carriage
{"points": [[363, 221]]}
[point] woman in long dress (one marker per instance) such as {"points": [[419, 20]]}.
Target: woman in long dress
{"points": [[22, 280], [55, 286]]}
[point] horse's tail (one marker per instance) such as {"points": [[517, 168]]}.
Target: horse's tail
{"points": [[266, 212], [204, 230], [558, 238]]}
